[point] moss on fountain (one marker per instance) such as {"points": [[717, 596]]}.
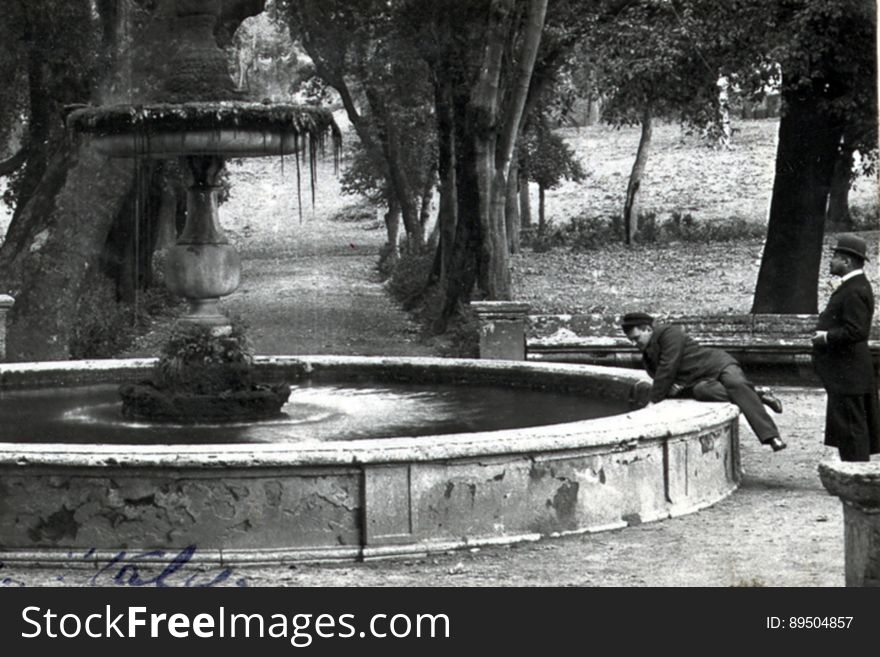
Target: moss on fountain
{"points": [[300, 120], [204, 375]]}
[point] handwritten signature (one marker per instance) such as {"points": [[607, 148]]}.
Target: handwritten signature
{"points": [[136, 569]]}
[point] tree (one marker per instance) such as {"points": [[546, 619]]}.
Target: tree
{"points": [[383, 86], [827, 52], [267, 61], [550, 161], [652, 59], [481, 56], [75, 221]]}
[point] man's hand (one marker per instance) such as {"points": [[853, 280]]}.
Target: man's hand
{"points": [[820, 337]]}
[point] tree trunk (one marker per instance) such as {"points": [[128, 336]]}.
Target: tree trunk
{"points": [[495, 268], [805, 159], [398, 178], [392, 225], [525, 201], [83, 210], [630, 206], [33, 220], [36, 140], [542, 221], [484, 145], [724, 112], [838, 200], [462, 271], [511, 206], [446, 211], [427, 196]]}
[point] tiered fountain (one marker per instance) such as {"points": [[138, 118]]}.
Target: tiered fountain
{"points": [[370, 457]]}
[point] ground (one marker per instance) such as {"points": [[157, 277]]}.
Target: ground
{"points": [[310, 285]]}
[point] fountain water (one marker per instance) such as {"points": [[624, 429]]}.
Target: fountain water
{"points": [[229, 495]]}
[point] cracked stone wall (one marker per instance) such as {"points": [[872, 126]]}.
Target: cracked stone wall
{"points": [[123, 510]]}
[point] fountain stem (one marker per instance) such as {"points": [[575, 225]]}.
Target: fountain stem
{"points": [[203, 266]]}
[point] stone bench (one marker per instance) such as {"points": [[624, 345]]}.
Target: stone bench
{"points": [[761, 342]]}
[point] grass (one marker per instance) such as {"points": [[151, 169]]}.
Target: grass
{"points": [[726, 194]]}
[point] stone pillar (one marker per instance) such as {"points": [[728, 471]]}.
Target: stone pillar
{"points": [[858, 487], [502, 329], [6, 303]]}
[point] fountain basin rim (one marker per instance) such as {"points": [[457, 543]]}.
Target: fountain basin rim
{"points": [[654, 423]]}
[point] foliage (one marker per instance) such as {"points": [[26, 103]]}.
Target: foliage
{"points": [[268, 62], [104, 328], [591, 233], [362, 212], [654, 54], [358, 49], [203, 359], [409, 275], [49, 57], [462, 336], [549, 160]]}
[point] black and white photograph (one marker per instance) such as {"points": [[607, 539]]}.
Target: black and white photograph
{"points": [[439, 294]]}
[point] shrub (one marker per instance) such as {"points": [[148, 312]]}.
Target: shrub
{"points": [[590, 233], [864, 218], [409, 274], [358, 212], [462, 335], [103, 327]]}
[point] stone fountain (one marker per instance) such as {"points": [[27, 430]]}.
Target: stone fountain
{"points": [[203, 266], [290, 495]]}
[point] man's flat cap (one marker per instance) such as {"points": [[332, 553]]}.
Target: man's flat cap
{"points": [[636, 319]]}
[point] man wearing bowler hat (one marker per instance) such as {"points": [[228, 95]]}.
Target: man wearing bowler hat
{"points": [[842, 359], [680, 367]]}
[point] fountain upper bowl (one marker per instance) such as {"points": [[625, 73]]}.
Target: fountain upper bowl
{"points": [[223, 128]]}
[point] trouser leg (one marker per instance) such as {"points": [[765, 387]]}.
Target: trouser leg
{"points": [[846, 425], [742, 393], [710, 390]]}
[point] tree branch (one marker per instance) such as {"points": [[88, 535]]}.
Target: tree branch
{"points": [[9, 165]]}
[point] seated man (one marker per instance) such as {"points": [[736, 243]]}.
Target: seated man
{"points": [[682, 368]]}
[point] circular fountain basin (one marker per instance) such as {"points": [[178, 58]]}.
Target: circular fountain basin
{"points": [[296, 496], [224, 128]]}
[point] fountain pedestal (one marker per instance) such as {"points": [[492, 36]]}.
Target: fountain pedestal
{"points": [[203, 266], [858, 487]]}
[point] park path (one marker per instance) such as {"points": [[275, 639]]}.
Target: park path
{"points": [[309, 281]]}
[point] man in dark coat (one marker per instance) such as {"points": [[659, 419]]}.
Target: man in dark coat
{"points": [[681, 367], [842, 358]]}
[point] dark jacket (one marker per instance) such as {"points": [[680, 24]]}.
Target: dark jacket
{"points": [[673, 356], [844, 364]]}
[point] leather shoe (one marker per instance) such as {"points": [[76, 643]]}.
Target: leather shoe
{"points": [[777, 444], [771, 400]]}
